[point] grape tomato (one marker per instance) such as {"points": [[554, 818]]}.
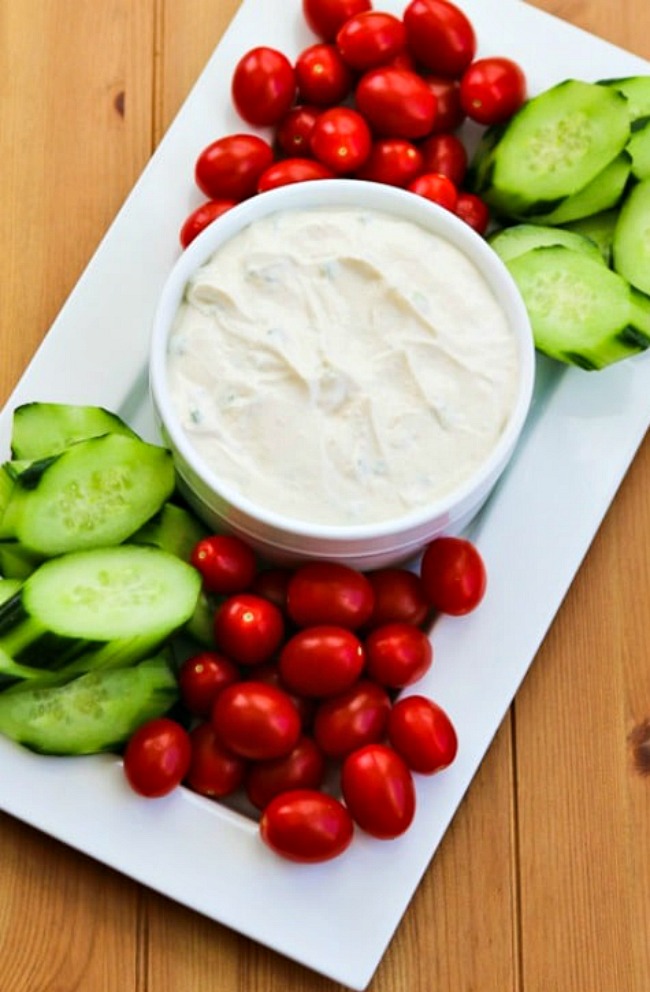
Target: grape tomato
{"points": [[157, 757], [329, 593], [303, 768], [325, 17], [322, 75], [229, 168], [263, 86], [214, 771], [398, 654], [396, 102], [370, 39], [321, 661], [256, 721], [379, 791], [306, 825], [423, 734]]}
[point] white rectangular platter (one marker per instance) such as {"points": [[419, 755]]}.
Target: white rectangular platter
{"points": [[583, 432]]}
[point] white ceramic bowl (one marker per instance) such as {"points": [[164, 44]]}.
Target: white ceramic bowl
{"points": [[283, 539]]}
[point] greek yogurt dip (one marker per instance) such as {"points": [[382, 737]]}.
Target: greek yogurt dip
{"points": [[341, 365]]}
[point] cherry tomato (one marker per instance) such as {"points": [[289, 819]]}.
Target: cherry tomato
{"points": [[449, 112], [263, 86], [379, 791], [422, 733], [306, 825], [329, 593], [157, 757], [201, 218], [201, 677], [323, 78], [353, 718], [226, 563], [398, 654], [230, 167], [445, 154], [302, 768], [437, 188], [269, 673], [293, 133], [440, 36], [292, 170], [397, 103], [453, 575], [395, 161], [370, 39], [256, 721], [341, 139], [321, 661], [248, 629], [492, 90], [214, 770], [325, 17], [399, 596], [473, 210], [272, 584]]}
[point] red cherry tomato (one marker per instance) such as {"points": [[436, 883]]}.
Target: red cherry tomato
{"points": [[226, 563], [202, 677], [341, 140], [306, 825], [399, 597], [201, 218], [329, 593], [446, 155], [348, 721], [248, 629], [230, 167], [449, 113], [437, 188], [263, 86], [269, 673], [395, 161], [302, 768], [293, 133], [325, 17], [292, 170], [214, 770], [397, 103], [157, 757], [272, 584], [453, 575], [321, 661], [473, 210], [256, 721], [492, 90], [440, 36], [370, 39], [323, 78], [398, 654], [379, 791], [422, 733]]}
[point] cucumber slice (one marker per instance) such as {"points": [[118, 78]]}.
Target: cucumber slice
{"points": [[602, 193], [636, 90], [97, 492], [520, 238], [599, 228], [42, 429], [112, 593], [557, 143], [639, 148], [579, 309], [631, 241], [92, 713], [173, 529]]}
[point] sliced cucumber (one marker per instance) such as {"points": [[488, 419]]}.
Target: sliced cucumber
{"points": [[42, 429], [599, 228], [173, 529], [554, 146], [110, 593], [639, 148], [520, 238], [636, 90], [97, 492], [602, 193], [580, 311], [92, 713], [631, 241], [15, 561]]}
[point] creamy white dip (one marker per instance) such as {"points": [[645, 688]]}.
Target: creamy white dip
{"points": [[341, 366]]}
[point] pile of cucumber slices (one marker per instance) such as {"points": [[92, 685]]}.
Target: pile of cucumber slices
{"points": [[568, 180], [95, 580]]}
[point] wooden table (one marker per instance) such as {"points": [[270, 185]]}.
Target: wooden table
{"points": [[542, 881]]}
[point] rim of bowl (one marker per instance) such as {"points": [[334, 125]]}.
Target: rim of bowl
{"points": [[364, 195]]}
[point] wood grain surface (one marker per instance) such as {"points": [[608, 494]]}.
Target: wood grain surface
{"points": [[542, 882]]}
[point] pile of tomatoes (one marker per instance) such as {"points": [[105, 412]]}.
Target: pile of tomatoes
{"points": [[297, 704], [377, 97]]}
